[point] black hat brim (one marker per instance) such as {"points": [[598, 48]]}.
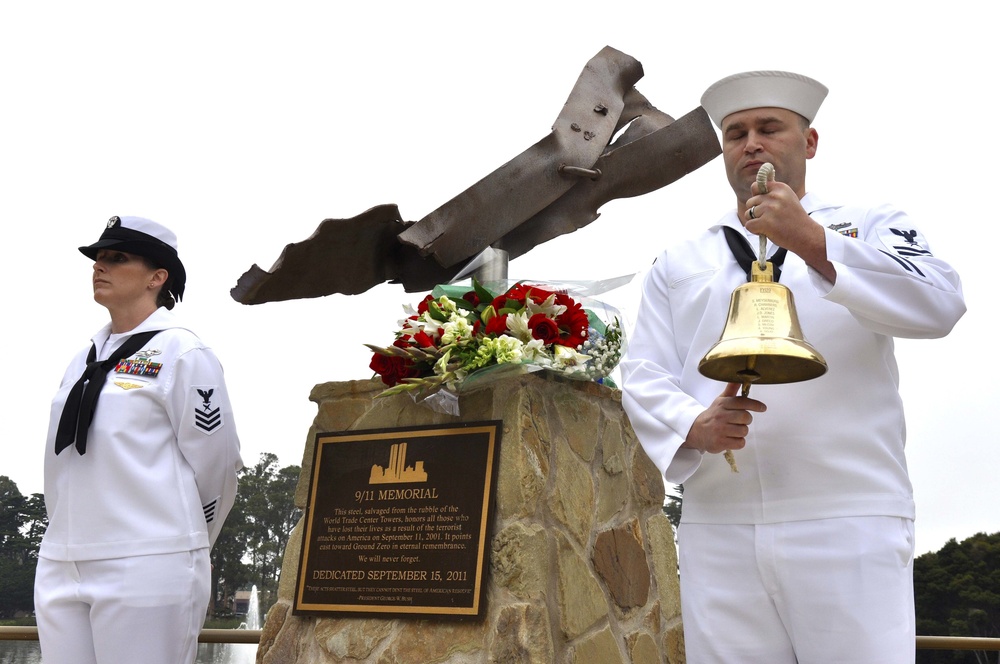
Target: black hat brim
{"points": [[159, 253]]}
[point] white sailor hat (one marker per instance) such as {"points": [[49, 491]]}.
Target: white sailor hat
{"points": [[763, 89], [143, 237]]}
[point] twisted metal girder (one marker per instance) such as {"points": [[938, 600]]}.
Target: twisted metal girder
{"points": [[554, 187]]}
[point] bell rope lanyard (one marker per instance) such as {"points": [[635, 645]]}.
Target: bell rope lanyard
{"points": [[744, 256]]}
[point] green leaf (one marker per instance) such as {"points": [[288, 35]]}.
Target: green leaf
{"points": [[435, 312], [511, 308], [484, 295]]}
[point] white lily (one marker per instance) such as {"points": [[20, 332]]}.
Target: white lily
{"points": [[569, 357], [547, 307], [518, 326]]}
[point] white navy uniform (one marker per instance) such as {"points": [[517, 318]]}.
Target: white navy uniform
{"points": [[134, 518], [826, 449]]}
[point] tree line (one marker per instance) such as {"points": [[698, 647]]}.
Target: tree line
{"points": [[247, 553], [957, 590]]}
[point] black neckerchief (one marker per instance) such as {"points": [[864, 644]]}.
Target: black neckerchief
{"points": [[744, 253], [81, 404]]}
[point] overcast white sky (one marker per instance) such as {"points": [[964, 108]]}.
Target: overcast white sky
{"points": [[243, 125]]}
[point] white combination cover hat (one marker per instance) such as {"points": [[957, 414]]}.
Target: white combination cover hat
{"points": [[143, 237], [763, 89]]}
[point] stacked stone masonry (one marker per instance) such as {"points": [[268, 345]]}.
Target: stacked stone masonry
{"points": [[582, 564]]}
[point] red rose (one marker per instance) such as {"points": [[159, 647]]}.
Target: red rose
{"points": [[380, 364], [497, 325], [544, 328], [500, 301], [391, 369], [514, 298]]}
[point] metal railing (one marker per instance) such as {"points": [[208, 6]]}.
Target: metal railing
{"points": [[28, 633], [957, 643]]}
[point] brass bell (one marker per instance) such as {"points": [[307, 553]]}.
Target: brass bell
{"points": [[762, 342]]}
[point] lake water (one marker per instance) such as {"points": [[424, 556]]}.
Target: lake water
{"points": [[27, 652]]}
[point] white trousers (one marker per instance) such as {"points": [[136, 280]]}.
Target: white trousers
{"points": [[136, 610], [830, 591]]}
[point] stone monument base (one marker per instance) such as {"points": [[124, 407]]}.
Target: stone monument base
{"points": [[582, 562]]}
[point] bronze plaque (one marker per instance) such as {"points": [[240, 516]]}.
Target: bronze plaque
{"points": [[398, 521]]}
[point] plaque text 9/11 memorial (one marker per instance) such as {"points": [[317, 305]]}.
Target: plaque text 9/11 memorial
{"points": [[398, 519]]}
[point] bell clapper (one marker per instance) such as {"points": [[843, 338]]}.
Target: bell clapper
{"points": [[749, 376], [744, 391]]}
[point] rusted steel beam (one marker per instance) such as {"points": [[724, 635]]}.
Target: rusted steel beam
{"points": [[531, 181], [554, 187], [660, 156]]}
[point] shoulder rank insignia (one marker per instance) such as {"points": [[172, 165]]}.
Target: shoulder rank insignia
{"points": [[903, 245], [908, 243], [207, 416]]}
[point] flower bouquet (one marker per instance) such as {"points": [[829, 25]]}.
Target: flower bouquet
{"points": [[457, 339]]}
